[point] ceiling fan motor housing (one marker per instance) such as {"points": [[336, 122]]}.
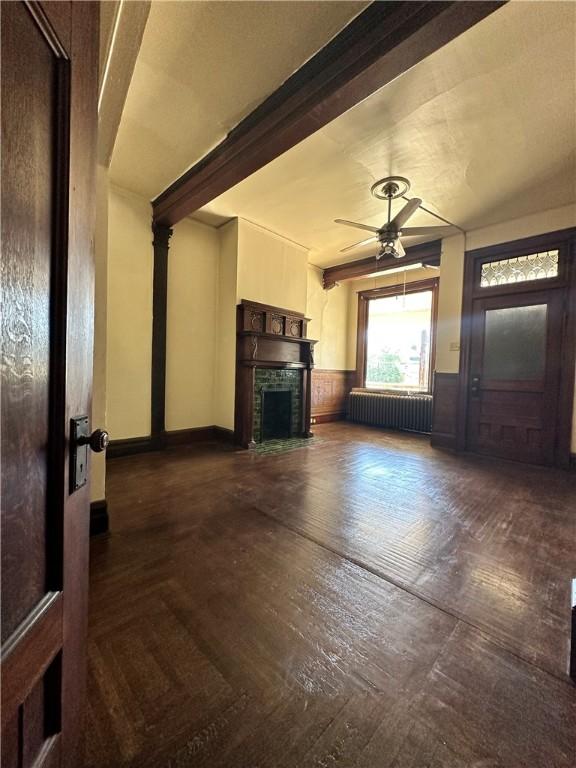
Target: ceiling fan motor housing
{"points": [[390, 189]]}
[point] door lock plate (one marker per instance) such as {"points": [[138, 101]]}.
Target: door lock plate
{"points": [[79, 428]]}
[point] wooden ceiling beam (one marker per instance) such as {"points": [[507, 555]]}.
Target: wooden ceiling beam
{"points": [[427, 253], [382, 42]]}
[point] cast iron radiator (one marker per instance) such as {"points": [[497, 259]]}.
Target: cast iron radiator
{"points": [[409, 412]]}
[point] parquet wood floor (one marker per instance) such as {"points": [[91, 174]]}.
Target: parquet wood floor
{"points": [[366, 602]]}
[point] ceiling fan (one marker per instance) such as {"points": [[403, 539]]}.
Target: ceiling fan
{"points": [[389, 234]]}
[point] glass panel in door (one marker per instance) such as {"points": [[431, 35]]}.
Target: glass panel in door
{"points": [[515, 343]]}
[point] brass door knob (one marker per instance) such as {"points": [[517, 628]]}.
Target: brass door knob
{"points": [[98, 440]]}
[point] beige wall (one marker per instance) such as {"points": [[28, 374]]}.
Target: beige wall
{"points": [[191, 325], [535, 224], [328, 313], [192, 320], [256, 265], [129, 326], [225, 353], [99, 420], [209, 272], [271, 269], [450, 305]]}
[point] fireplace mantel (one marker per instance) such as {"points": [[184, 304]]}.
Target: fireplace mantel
{"points": [[269, 337]]}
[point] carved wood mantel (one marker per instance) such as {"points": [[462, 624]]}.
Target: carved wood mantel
{"points": [[269, 337]]}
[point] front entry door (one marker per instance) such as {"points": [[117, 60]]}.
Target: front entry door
{"points": [[515, 375], [49, 117]]}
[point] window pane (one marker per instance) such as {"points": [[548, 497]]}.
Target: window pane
{"points": [[398, 341], [515, 343], [536, 266]]}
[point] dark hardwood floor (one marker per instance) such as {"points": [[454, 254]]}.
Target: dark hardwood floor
{"points": [[365, 601]]}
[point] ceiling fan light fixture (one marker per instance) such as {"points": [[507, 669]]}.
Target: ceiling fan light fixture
{"points": [[388, 249], [389, 234]]}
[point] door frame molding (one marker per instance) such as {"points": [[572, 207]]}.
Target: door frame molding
{"points": [[565, 241]]}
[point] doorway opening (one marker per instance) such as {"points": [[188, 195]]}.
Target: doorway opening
{"points": [[518, 350]]}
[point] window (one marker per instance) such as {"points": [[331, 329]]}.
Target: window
{"points": [[396, 337], [536, 266]]}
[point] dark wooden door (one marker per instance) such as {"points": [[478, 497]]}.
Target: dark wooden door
{"points": [[49, 118], [515, 375]]}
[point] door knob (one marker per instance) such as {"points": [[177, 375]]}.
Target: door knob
{"points": [[475, 386], [98, 440]]}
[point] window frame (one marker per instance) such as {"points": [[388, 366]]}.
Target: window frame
{"points": [[364, 299]]}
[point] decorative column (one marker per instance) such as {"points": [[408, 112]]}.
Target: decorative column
{"points": [[307, 393], [162, 235]]}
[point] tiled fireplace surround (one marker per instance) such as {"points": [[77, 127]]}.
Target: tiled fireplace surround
{"points": [[277, 379]]}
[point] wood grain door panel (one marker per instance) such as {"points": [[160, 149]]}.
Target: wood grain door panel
{"points": [[28, 67], [513, 399], [49, 97]]}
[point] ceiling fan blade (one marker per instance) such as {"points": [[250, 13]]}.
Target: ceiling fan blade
{"points": [[403, 215], [358, 226], [362, 242], [412, 231]]}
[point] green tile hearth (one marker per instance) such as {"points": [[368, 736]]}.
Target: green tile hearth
{"points": [[287, 444]]}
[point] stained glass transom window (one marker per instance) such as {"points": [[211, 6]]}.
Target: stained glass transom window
{"points": [[536, 266]]}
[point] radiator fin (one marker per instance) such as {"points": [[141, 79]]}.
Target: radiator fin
{"points": [[408, 412]]}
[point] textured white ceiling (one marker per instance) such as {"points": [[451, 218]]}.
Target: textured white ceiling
{"points": [[202, 67], [485, 129]]}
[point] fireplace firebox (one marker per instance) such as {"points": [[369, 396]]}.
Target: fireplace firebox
{"points": [[276, 414]]}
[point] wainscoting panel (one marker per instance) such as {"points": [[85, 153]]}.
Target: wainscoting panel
{"points": [[329, 392], [445, 410]]}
